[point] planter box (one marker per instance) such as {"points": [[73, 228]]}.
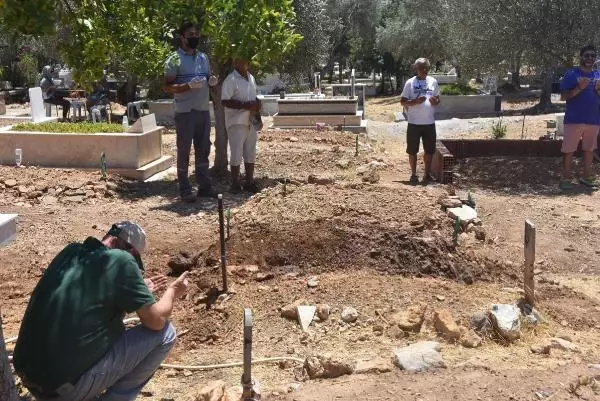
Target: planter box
{"points": [[467, 106], [132, 155], [317, 106]]}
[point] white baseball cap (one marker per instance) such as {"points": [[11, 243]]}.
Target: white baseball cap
{"points": [[131, 233]]}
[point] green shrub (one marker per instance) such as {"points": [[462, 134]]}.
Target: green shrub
{"points": [[457, 89], [499, 130], [70, 128]]}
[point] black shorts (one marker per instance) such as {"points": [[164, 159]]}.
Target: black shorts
{"points": [[414, 133]]}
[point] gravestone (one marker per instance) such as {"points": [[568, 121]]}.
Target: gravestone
{"points": [[2, 104], [144, 124], [36, 101], [490, 85]]}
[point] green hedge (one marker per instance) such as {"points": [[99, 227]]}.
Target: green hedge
{"points": [[70, 128], [457, 89]]}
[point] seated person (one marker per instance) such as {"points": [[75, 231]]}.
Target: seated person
{"points": [[98, 97], [50, 94]]}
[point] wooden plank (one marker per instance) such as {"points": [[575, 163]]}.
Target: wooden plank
{"points": [[8, 390], [529, 246]]}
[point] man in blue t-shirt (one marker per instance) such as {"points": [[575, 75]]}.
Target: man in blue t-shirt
{"points": [[580, 87], [188, 77]]}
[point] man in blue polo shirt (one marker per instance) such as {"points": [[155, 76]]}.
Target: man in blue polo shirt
{"points": [[580, 87], [188, 77]]}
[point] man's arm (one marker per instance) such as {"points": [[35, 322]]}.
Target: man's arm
{"points": [[239, 105], [171, 87], [571, 87], [407, 102], [155, 316]]}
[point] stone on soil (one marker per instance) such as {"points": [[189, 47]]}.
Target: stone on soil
{"points": [[323, 311], [469, 339], [321, 179], [291, 311], [480, 322], [349, 315], [343, 164], [466, 213], [372, 177], [506, 321], [312, 282], [410, 319], [213, 391], [264, 276], [419, 357], [326, 367], [10, 183], [373, 366], [450, 203], [562, 344], [445, 324]]}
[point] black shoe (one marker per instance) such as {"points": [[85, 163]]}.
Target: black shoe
{"points": [[188, 198], [414, 180], [235, 189], [252, 188], [207, 192], [427, 179]]}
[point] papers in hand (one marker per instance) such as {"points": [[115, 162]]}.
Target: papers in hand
{"points": [[197, 82]]}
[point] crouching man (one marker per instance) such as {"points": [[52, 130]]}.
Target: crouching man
{"points": [[73, 345]]}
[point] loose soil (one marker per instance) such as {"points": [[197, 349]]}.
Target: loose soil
{"points": [[372, 246]]}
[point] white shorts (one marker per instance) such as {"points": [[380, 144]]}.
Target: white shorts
{"points": [[242, 144]]}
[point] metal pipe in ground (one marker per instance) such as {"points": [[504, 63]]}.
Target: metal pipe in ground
{"points": [[222, 238]]}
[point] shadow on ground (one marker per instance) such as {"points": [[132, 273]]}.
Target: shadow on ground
{"points": [[509, 175]]}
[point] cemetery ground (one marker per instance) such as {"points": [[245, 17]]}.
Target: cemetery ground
{"points": [[321, 234]]}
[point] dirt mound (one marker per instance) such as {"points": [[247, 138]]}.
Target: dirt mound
{"points": [[386, 236]]}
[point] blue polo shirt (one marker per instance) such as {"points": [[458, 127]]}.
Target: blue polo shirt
{"points": [[184, 67], [585, 107]]}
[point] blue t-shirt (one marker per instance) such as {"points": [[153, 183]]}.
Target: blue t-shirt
{"points": [[185, 67], [585, 107]]}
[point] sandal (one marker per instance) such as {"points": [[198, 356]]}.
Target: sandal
{"points": [[589, 181], [565, 184]]}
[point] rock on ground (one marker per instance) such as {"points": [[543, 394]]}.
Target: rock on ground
{"points": [[214, 391], [372, 177], [323, 311], [326, 367], [445, 324], [481, 323], [291, 311], [321, 179], [466, 214], [349, 314], [506, 321], [469, 339], [419, 357], [410, 319], [373, 366]]}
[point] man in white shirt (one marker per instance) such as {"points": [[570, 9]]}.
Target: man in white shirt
{"points": [[420, 95], [241, 105]]}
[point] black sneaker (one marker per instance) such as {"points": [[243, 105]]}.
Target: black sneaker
{"points": [[252, 188], [188, 198], [235, 189], [414, 180], [207, 192]]}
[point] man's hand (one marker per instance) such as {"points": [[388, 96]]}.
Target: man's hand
{"points": [[180, 285], [156, 283], [212, 81], [434, 100], [583, 82], [253, 106], [197, 82], [420, 99], [597, 86]]}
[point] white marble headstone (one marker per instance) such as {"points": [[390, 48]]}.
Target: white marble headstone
{"points": [[38, 112], [8, 228], [143, 124]]}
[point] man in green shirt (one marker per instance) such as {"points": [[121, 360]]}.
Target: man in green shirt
{"points": [[73, 344]]}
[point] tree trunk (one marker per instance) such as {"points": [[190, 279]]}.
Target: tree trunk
{"points": [[516, 73], [8, 390], [545, 98]]}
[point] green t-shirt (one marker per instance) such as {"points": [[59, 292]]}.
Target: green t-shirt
{"points": [[75, 312]]}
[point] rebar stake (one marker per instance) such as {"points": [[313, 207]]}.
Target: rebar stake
{"points": [[222, 238]]}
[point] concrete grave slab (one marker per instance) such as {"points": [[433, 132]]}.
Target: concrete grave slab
{"points": [[8, 228], [465, 213]]}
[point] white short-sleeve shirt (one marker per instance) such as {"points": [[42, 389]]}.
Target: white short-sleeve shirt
{"points": [[236, 87], [421, 114]]}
